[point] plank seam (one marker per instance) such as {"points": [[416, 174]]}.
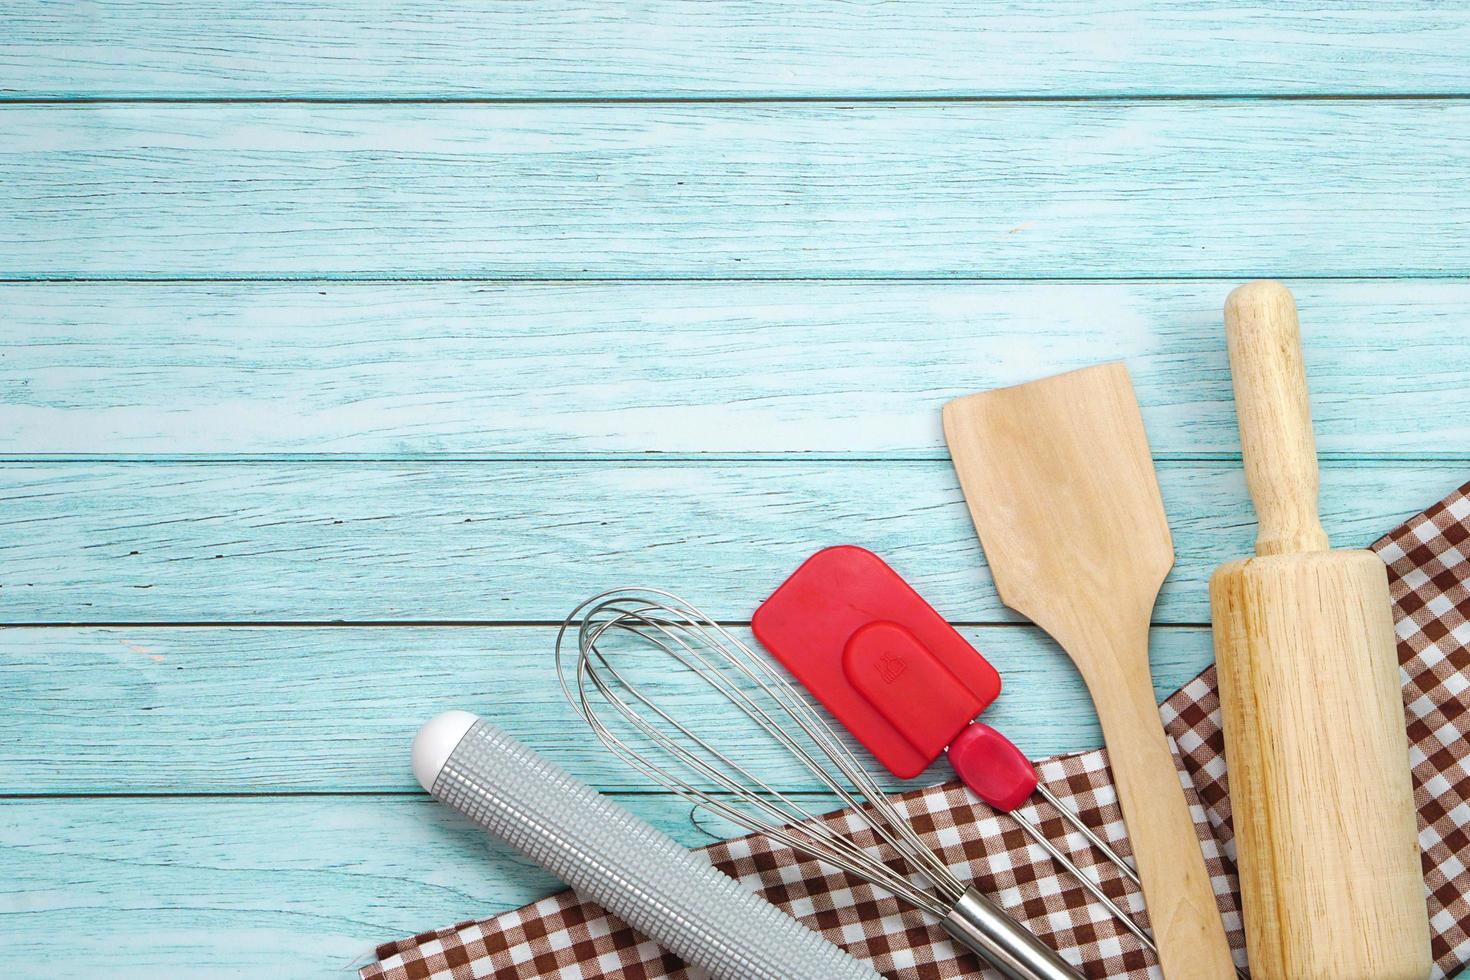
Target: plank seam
{"points": [[435, 624], [641, 279], [490, 278], [669, 100], [347, 793], [1342, 460]]}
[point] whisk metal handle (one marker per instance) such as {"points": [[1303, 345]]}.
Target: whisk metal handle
{"points": [[983, 927], [612, 857]]}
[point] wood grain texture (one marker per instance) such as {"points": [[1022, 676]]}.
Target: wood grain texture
{"points": [[1058, 477], [1271, 399], [1326, 831], [754, 48], [294, 886], [849, 373], [525, 541], [334, 709], [410, 369], [1326, 838], [988, 190]]}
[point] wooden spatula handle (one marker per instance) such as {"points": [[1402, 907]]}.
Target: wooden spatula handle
{"points": [[1176, 883], [1265, 347]]}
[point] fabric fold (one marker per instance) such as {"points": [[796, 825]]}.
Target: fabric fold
{"points": [[1428, 559]]}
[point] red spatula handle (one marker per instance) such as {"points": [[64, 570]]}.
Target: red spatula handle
{"points": [[992, 766]]}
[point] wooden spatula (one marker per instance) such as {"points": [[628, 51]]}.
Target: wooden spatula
{"points": [[1060, 483]]}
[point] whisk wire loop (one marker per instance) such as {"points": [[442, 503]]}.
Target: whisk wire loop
{"points": [[687, 639]]}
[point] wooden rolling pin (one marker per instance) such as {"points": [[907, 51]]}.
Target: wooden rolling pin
{"points": [[1325, 831]]}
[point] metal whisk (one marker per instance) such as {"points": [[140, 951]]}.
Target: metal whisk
{"points": [[635, 711]]}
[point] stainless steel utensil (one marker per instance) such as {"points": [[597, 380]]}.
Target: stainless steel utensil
{"points": [[621, 634]]}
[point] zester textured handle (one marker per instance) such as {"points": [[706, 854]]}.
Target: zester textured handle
{"points": [[639, 874]]}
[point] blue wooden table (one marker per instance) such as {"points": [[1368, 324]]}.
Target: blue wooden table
{"points": [[345, 345]]}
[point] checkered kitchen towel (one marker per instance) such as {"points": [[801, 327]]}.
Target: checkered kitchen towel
{"points": [[1429, 569]]}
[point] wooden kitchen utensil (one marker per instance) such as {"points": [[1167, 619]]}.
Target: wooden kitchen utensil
{"points": [[1060, 483], [1315, 746]]}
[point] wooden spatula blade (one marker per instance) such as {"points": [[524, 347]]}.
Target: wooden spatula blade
{"points": [[1059, 480]]}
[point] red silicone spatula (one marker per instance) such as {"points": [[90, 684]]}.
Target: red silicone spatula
{"points": [[907, 685], [900, 678]]}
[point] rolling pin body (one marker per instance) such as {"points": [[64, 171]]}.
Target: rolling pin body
{"points": [[1315, 747]]}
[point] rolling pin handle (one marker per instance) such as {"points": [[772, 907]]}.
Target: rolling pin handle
{"points": [[1276, 440]]}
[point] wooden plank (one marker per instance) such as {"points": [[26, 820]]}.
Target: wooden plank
{"points": [[990, 190], [303, 886], [523, 541], [466, 368], [683, 48], [332, 709]]}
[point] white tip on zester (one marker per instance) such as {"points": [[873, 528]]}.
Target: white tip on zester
{"points": [[434, 743]]}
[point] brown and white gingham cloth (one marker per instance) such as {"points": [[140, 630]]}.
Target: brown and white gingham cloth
{"points": [[1429, 569]]}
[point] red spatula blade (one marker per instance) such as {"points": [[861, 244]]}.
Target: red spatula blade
{"points": [[877, 656]]}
